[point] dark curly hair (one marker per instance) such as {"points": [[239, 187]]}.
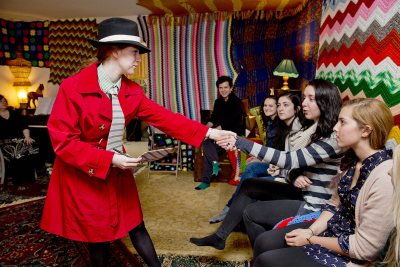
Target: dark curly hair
{"points": [[222, 79], [329, 103]]}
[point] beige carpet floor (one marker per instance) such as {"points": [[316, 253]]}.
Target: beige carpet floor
{"points": [[174, 212]]}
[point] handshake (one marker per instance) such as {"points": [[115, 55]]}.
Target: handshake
{"points": [[225, 139]]}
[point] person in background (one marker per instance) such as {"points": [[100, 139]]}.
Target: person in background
{"points": [[318, 163], [92, 195], [390, 255], [269, 119], [287, 124], [228, 114], [16, 146], [356, 222]]}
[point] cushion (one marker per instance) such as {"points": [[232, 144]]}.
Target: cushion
{"points": [[311, 217], [393, 138]]}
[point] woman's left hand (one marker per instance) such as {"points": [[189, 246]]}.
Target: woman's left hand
{"points": [[302, 182], [28, 140], [273, 170], [297, 237]]}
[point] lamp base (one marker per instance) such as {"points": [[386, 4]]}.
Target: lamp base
{"points": [[285, 85], [23, 105]]}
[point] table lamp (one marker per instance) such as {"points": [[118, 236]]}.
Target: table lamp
{"points": [[286, 69]]}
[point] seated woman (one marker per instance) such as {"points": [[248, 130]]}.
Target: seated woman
{"points": [[16, 145], [390, 255], [319, 159], [355, 224], [286, 132]]}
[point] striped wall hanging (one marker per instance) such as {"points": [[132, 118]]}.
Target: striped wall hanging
{"points": [[188, 54]]}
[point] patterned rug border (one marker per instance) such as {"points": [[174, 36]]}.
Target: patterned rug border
{"points": [[21, 201], [202, 260]]}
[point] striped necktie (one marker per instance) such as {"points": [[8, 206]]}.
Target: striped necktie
{"points": [[117, 125]]}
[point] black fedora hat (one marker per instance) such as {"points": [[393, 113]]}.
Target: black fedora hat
{"points": [[119, 31]]}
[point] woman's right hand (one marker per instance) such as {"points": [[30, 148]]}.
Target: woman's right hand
{"points": [[227, 142], [251, 159], [123, 162], [298, 237]]}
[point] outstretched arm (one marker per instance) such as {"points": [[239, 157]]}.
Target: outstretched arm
{"points": [[314, 153], [216, 134]]}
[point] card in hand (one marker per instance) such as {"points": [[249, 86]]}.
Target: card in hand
{"points": [[156, 154]]}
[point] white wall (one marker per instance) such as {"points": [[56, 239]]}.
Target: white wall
{"points": [[37, 76]]}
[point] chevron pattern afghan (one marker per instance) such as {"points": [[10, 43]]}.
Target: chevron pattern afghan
{"points": [[188, 54], [69, 48], [30, 38], [360, 49]]}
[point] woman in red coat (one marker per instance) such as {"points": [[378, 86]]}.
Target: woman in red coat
{"points": [[92, 194]]}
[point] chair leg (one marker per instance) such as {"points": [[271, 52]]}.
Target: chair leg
{"points": [[2, 170]]}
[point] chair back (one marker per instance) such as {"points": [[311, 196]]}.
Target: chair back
{"points": [[256, 113]]}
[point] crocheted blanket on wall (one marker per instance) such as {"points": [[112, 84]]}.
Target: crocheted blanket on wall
{"points": [[69, 46], [188, 54], [259, 45], [360, 49], [30, 38]]}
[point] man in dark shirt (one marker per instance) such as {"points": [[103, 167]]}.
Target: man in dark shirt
{"points": [[228, 114]]}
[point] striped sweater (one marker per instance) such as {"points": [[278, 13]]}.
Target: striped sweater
{"points": [[319, 162]]}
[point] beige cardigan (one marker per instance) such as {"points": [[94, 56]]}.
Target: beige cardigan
{"points": [[374, 220]]}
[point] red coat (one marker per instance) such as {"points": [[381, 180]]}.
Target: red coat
{"points": [[88, 200]]}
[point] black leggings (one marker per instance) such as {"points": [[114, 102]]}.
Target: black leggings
{"points": [[262, 216], [100, 252], [260, 189], [270, 249]]}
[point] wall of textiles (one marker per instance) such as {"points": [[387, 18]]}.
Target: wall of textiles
{"points": [[188, 55], [360, 49], [59, 45], [30, 38], [258, 46]]}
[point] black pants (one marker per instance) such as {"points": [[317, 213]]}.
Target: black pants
{"points": [[262, 216], [261, 189], [270, 250], [211, 153], [22, 170]]}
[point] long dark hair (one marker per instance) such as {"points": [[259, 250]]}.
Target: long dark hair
{"points": [[329, 103], [282, 129], [265, 118]]}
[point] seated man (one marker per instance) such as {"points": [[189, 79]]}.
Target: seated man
{"points": [[228, 114]]}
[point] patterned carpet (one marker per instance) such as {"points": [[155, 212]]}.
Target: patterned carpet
{"points": [[11, 194], [174, 212], [23, 243]]}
